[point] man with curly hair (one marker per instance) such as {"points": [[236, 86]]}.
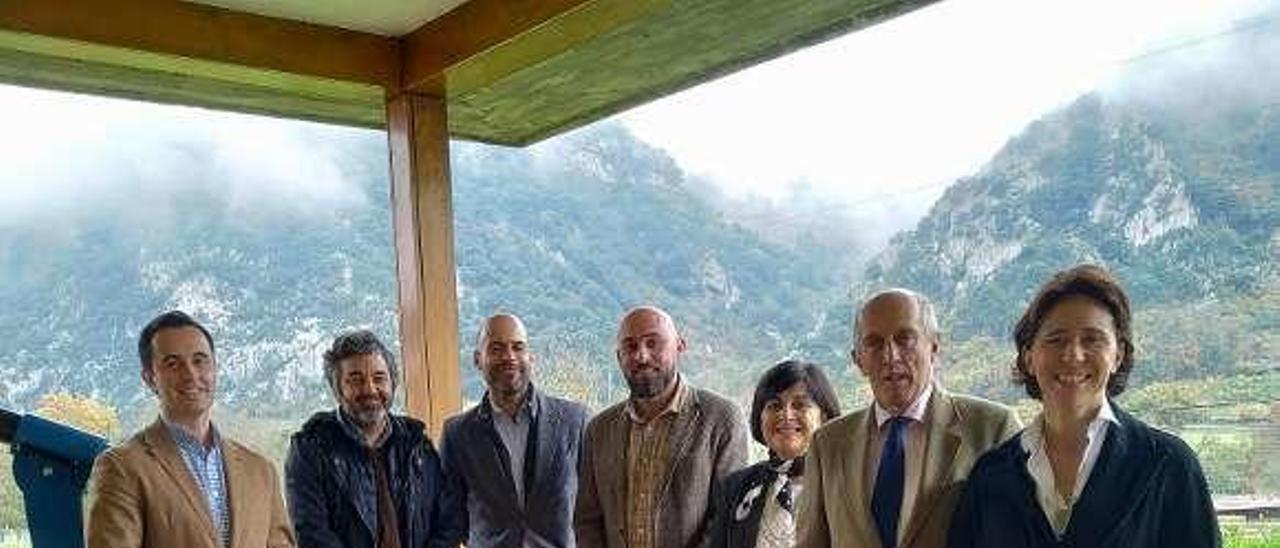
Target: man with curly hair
{"points": [[360, 476]]}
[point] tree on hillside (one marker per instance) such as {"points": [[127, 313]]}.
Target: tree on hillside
{"points": [[12, 513], [83, 412]]}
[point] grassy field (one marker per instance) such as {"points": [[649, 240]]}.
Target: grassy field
{"points": [[11, 539], [1254, 534]]}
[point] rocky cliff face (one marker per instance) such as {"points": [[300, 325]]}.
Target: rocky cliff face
{"points": [[1101, 181]]}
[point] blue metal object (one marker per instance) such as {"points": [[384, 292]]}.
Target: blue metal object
{"points": [[51, 463]]}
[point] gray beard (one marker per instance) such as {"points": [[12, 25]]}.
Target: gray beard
{"points": [[364, 418]]}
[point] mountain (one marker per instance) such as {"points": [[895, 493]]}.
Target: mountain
{"points": [[568, 234], [165, 226], [572, 233], [1183, 210], [282, 241]]}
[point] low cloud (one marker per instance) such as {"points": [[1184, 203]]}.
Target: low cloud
{"points": [[1230, 64], [65, 154]]}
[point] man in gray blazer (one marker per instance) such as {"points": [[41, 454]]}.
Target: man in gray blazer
{"points": [[649, 463], [513, 457], [888, 475]]}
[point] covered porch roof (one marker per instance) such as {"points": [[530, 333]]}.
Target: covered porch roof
{"points": [[511, 71]]}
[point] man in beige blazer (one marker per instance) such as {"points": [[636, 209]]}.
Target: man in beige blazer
{"points": [[648, 464], [888, 475], [179, 483]]}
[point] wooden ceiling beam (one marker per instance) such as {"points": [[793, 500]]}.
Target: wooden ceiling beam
{"points": [[467, 31], [214, 34]]}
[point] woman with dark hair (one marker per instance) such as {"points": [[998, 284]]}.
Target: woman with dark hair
{"points": [[1084, 473], [755, 506]]}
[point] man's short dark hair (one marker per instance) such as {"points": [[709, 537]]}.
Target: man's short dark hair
{"points": [[779, 378], [169, 320], [357, 343]]}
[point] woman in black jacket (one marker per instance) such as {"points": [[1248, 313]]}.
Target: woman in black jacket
{"points": [[755, 506], [1084, 473]]}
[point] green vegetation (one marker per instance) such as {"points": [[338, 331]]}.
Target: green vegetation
{"points": [[12, 512], [15, 538], [1238, 399], [1253, 534]]}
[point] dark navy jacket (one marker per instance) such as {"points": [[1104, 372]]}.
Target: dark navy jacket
{"points": [[1146, 491], [332, 496], [479, 472]]}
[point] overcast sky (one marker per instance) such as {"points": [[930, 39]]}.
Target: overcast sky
{"points": [[64, 152], [883, 118], [900, 110]]}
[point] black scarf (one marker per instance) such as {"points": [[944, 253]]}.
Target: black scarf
{"points": [[793, 468]]}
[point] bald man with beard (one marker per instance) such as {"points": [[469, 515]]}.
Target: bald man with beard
{"points": [[649, 463], [512, 459]]}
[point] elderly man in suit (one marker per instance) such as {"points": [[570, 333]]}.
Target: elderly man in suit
{"points": [[180, 482], [649, 463], [513, 457], [888, 475]]}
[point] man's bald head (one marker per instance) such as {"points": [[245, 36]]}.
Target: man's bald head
{"points": [[896, 345], [647, 314], [649, 348], [501, 319], [502, 354], [924, 310]]}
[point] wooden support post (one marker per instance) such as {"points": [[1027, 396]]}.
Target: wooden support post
{"points": [[422, 203]]}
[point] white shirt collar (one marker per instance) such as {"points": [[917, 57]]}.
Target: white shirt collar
{"points": [[1033, 436], [1056, 509], [915, 411]]}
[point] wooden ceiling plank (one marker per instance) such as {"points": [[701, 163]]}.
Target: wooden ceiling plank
{"points": [[203, 32], [573, 30], [469, 30], [80, 76], [672, 49]]}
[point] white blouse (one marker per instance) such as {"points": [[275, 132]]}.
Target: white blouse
{"points": [[1056, 507], [777, 525]]}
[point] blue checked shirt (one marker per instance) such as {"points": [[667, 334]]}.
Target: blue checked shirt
{"points": [[206, 467]]}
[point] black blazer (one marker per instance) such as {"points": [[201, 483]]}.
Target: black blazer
{"points": [[1146, 491], [478, 472], [752, 482]]}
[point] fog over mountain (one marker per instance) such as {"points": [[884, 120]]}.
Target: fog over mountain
{"points": [[1169, 175], [568, 234], [278, 234]]}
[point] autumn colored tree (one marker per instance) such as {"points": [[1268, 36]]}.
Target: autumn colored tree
{"points": [[83, 412]]}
